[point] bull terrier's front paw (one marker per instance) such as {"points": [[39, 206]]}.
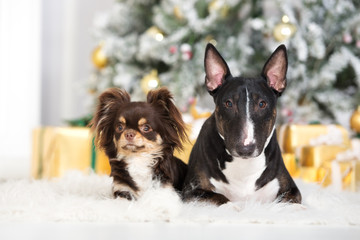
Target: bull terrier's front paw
{"points": [[124, 194]]}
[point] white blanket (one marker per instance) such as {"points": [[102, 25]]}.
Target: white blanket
{"points": [[78, 198]]}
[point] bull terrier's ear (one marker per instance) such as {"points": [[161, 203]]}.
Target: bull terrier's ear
{"points": [[275, 69], [216, 68]]}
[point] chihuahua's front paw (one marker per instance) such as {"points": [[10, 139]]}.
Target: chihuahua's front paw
{"points": [[232, 206], [124, 194]]}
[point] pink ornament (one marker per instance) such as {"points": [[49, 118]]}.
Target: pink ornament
{"points": [[173, 49], [184, 109], [358, 43], [191, 100], [286, 112], [347, 38], [186, 56]]}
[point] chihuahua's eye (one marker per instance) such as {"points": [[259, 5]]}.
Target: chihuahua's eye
{"points": [[120, 128], [146, 128], [228, 104], [262, 104]]}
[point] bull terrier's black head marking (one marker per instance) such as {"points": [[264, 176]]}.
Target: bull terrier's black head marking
{"points": [[245, 104], [240, 130]]}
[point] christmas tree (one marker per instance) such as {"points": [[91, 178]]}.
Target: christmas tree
{"points": [[147, 43]]}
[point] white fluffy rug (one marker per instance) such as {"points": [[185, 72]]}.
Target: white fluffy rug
{"points": [[79, 198]]}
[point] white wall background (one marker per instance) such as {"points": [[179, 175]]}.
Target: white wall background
{"points": [[20, 66], [45, 48], [67, 47]]}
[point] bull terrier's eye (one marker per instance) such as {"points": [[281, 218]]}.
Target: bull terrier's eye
{"points": [[228, 104], [262, 104]]}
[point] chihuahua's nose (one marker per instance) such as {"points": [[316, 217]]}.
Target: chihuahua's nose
{"points": [[245, 150], [129, 135]]}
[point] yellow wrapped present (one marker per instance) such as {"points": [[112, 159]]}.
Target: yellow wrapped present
{"points": [[184, 155], [194, 121], [59, 149], [342, 175], [100, 162], [293, 136], [291, 164], [345, 175], [324, 174], [310, 174], [320, 175], [341, 171], [315, 156]]}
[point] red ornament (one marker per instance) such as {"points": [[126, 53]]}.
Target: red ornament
{"points": [[173, 49], [186, 51]]}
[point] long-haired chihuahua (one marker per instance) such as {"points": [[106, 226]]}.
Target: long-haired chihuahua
{"points": [[140, 138]]}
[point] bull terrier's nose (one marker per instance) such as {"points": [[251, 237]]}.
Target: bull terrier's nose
{"points": [[245, 150]]}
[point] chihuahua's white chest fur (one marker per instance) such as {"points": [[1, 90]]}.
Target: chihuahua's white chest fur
{"points": [[140, 168]]}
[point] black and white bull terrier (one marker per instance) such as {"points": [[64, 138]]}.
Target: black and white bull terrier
{"points": [[236, 156]]}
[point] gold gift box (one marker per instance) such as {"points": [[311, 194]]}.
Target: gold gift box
{"points": [[315, 162], [343, 175], [291, 164], [310, 174], [184, 154], [292, 136], [101, 163], [315, 156], [59, 149], [313, 174]]}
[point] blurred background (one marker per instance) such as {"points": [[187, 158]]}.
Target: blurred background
{"points": [[45, 63], [56, 57]]}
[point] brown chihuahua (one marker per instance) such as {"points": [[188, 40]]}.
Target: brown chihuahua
{"points": [[139, 138]]}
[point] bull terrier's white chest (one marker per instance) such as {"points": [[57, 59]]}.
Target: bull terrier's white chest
{"points": [[242, 175]]}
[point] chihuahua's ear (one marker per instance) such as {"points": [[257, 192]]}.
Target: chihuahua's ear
{"points": [[161, 97], [216, 68], [102, 123], [114, 95], [174, 125], [275, 69]]}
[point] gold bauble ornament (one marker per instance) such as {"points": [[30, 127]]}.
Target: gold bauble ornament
{"points": [[178, 13], [155, 33], [195, 113], [284, 30], [210, 39], [98, 57], [220, 7], [355, 120], [150, 81]]}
